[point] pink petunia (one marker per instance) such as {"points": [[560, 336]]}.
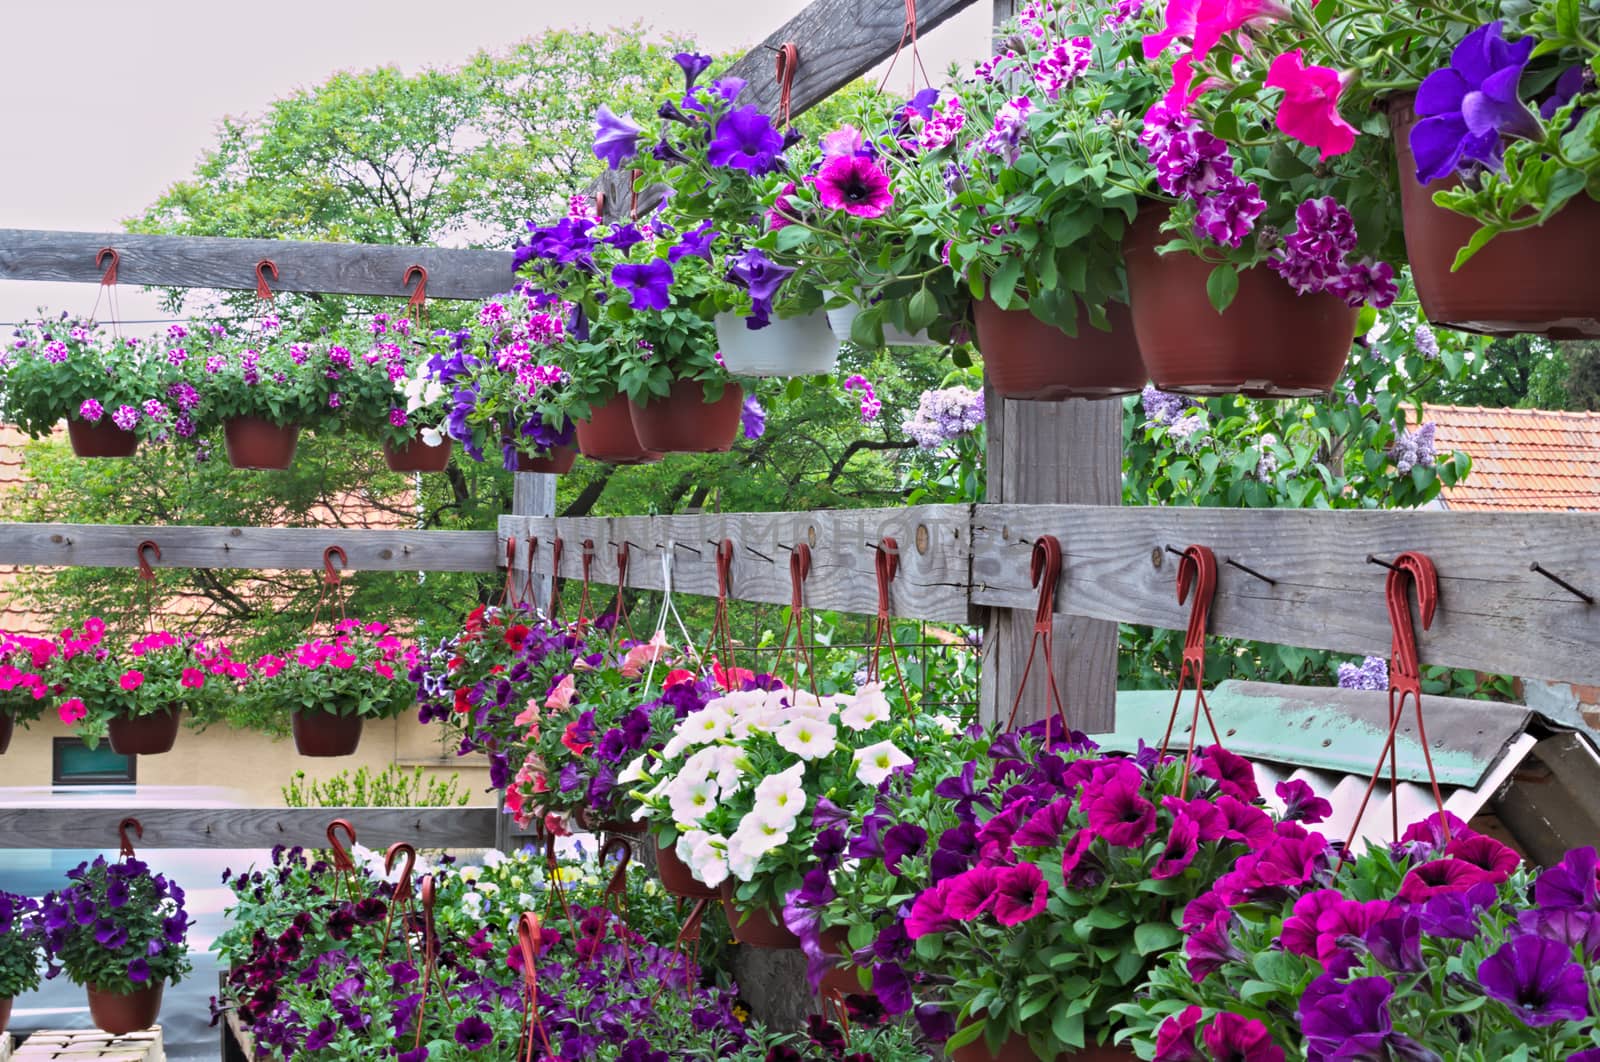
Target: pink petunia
{"points": [[1440, 876], [856, 185], [929, 912], [1121, 815], [1020, 894], [131, 680], [72, 710], [973, 892], [560, 697], [1182, 846], [1299, 934], [1309, 111], [193, 678], [1487, 854]]}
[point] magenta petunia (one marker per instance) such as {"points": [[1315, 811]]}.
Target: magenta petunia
{"points": [[1299, 933], [1021, 894], [1440, 875], [972, 893], [1487, 854], [929, 912], [1211, 948], [1121, 815], [1210, 823], [1202, 911], [1073, 869], [1238, 1039], [1348, 918], [1244, 822], [1044, 826], [1301, 803], [856, 185], [1234, 774], [1181, 849], [1175, 1037], [1431, 830], [1309, 111]]}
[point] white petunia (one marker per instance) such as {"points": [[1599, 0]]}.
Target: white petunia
{"points": [[876, 762], [780, 798], [728, 765], [634, 771], [708, 724], [692, 798], [803, 703], [946, 724], [707, 859], [493, 858], [868, 707], [431, 437], [807, 738], [754, 838]]}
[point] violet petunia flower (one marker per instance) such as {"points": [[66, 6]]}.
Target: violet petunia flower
{"points": [[856, 185], [1239, 1039], [902, 840], [1175, 1037], [648, 285], [696, 243], [1537, 980], [1346, 1020], [1573, 882], [1301, 803], [1468, 106], [1577, 929], [616, 137], [752, 418], [474, 1033], [744, 139], [693, 64], [1020, 894], [761, 276], [1396, 941]]}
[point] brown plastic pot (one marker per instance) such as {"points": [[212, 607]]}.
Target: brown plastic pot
{"points": [[587, 820], [555, 463], [1016, 1049], [1269, 343], [684, 422], [678, 879], [100, 439], [7, 724], [1025, 358], [840, 978], [417, 456], [325, 734], [256, 443], [144, 735], [759, 928], [608, 436], [120, 1014], [1536, 280], [5, 1012]]}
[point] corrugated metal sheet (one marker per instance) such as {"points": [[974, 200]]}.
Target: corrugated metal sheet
{"points": [[1330, 739]]}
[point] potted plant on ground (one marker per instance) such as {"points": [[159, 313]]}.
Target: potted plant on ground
{"points": [[25, 687], [21, 949], [331, 686], [121, 932], [261, 388], [112, 392], [1479, 189], [722, 162]]}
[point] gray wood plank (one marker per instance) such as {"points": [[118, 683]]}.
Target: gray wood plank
{"points": [[1494, 614], [931, 583], [188, 827], [230, 264], [113, 546]]}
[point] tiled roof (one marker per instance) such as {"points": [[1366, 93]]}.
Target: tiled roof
{"points": [[1522, 459]]}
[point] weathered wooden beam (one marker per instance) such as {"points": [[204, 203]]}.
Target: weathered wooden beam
{"points": [[274, 548], [1494, 614], [189, 827], [229, 264], [839, 40], [931, 583]]}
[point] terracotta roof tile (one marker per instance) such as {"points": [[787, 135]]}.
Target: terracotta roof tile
{"points": [[1522, 459]]}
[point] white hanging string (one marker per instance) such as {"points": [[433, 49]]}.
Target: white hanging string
{"points": [[669, 608]]}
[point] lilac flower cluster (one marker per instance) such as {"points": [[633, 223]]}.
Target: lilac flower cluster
{"points": [[1163, 408], [945, 414], [1414, 448], [1314, 258], [1371, 674], [1192, 164]]}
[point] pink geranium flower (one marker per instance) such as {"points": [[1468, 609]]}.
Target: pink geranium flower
{"points": [[856, 185], [1310, 108], [72, 710], [131, 680]]}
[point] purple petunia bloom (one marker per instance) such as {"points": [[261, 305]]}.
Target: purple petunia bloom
{"points": [[752, 418], [616, 137], [474, 1033], [138, 971], [1346, 1020], [761, 276], [648, 285], [1396, 941], [1467, 107], [744, 139], [695, 243], [125, 417], [1573, 882], [1301, 803], [1010, 123], [693, 64], [1238, 1039], [1536, 978], [902, 840], [322, 1035], [91, 411]]}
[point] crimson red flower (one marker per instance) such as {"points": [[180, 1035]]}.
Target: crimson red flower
{"points": [[515, 636]]}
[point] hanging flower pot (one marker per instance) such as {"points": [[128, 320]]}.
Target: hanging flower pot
{"points": [[608, 435], [556, 462], [5, 1013], [144, 735], [760, 927], [677, 878], [789, 346], [1268, 343], [119, 1014], [7, 724], [101, 438], [684, 422], [256, 443], [417, 456], [840, 978], [325, 734], [1016, 1049], [843, 320], [1529, 281], [1025, 358]]}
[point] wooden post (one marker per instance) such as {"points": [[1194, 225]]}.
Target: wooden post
{"points": [[532, 494], [1052, 452]]}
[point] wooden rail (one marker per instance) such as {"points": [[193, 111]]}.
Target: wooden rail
{"points": [[230, 264], [189, 827]]}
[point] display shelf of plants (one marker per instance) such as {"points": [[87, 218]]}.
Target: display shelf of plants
{"points": [[1216, 198]]}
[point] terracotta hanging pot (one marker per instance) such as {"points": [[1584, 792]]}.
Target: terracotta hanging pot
{"points": [[5, 1013], [840, 978], [119, 1014], [1016, 1049], [1025, 358], [256, 443], [417, 456], [100, 439], [144, 735], [7, 724], [678, 879], [1534, 280], [608, 435], [558, 461], [684, 422], [788, 346], [325, 734], [760, 927], [1269, 343]]}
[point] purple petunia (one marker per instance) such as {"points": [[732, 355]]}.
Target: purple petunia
{"points": [[125, 417], [616, 138], [761, 276], [91, 411], [1010, 123], [648, 285], [744, 139], [856, 185], [1467, 107], [1536, 978], [693, 65], [752, 418]]}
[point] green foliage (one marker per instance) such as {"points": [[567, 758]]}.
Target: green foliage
{"points": [[391, 787], [58, 368], [21, 945], [138, 936]]}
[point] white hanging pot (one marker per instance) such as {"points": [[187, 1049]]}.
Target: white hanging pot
{"points": [[789, 346], [844, 318]]}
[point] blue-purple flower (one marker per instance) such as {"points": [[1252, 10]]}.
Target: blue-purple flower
{"points": [[694, 64], [1468, 106], [744, 139], [752, 418], [1536, 978], [616, 137], [648, 284]]}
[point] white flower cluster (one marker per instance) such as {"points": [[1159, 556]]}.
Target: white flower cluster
{"points": [[707, 765]]}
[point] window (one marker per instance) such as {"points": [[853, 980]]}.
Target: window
{"points": [[74, 763]]}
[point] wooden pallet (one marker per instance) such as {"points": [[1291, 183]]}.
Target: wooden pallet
{"points": [[87, 1046]]}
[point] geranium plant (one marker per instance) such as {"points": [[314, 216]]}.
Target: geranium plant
{"points": [[118, 928], [21, 945]]}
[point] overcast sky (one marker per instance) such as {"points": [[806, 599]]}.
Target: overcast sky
{"points": [[104, 103]]}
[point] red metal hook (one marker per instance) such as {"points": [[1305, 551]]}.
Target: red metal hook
{"points": [[341, 855], [111, 271], [1405, 679], [618, 885], [528, 941], [788, 63], [1197, 571], [263, 267], [1044, 569], [330, 573], [126, 849], [402, 888], [419, 298], [145, 571]]}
